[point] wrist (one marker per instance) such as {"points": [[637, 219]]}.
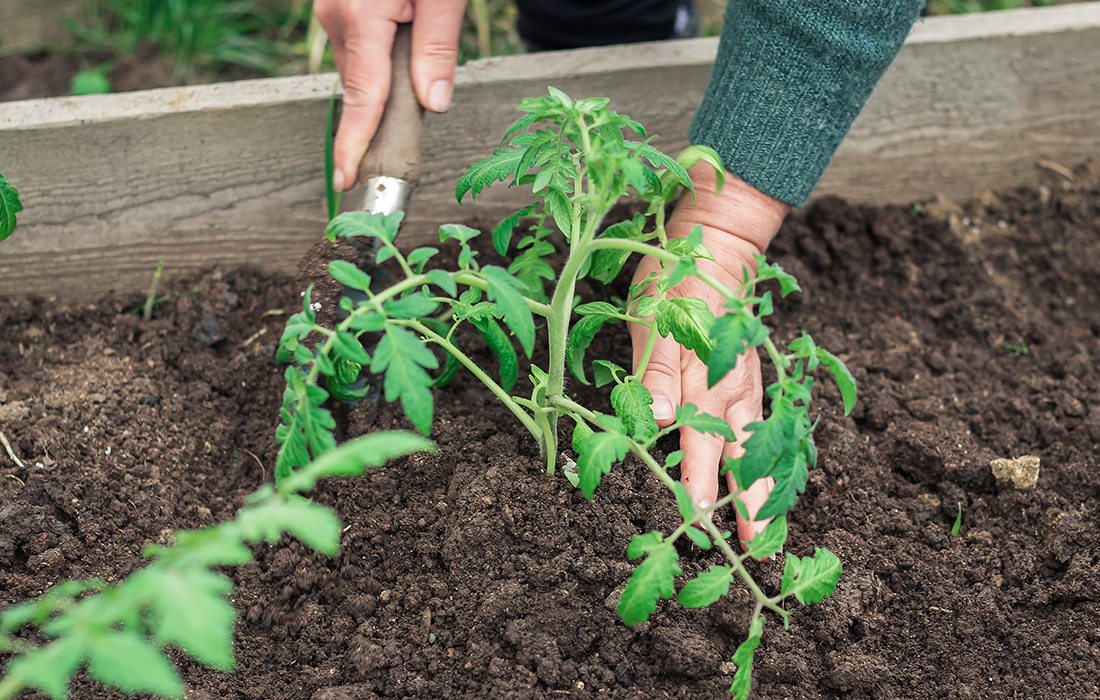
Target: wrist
{"points": [[739, 218]]}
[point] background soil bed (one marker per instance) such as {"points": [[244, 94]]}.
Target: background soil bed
{"points": [[141, 429]]}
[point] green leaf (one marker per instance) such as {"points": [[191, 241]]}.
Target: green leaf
{"points": [[315, 525], [604, 372], [581, 432], [404, 358], [810, 579], [91, 81], [126, 661], [531, 267], [957, 525], [349, 347], [504, 289], [843, 378], [674, 458], [333, 198], [643, 543], [9, 207], [743, 657], [707, 587], [770, 541], [633, 405], [501, 345], [460, 233], [443, 280], [354, 457], [306, 429], [493, 168], [688, 320], [688, 415], [730, 336], [560, 210], [654, 579], [683, 502], [697, 153], [190, 611], [789, 483], [658, 159], [419, 256], [502, 232], [581, 336], [772, 271], [412, 306], [700, 538], [690, 246], [353, 224], [596, 455], [774, 443], [607, 263], [349, 275], [50, 667]]}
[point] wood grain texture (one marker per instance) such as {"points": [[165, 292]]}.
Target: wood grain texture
{"points": [[31, 24], [233, 173]]}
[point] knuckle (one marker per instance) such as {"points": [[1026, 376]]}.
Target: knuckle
{"points": [[660, 371], [437, 51]]}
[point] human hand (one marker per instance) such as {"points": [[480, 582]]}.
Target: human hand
{"points": [[361, 33], [738, 223]]}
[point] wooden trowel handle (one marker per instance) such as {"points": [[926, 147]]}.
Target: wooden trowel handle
{"points": [[395, 150]]}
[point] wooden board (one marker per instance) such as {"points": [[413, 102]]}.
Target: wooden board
{"points": [[232, 173], [31, 24]]}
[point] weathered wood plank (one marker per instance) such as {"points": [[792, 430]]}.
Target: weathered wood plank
{"points": [[232, 173], [31, 24]]}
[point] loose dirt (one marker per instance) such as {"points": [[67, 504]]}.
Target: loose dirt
{"points": [[974, 334]]}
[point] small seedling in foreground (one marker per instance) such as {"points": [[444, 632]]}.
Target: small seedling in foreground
{"points": [[578, 161], [958, 520], [119, 632], [151, 297], [9, 207]]}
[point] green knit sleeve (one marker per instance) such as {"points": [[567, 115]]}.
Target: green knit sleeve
{"points": [[789, 80]]}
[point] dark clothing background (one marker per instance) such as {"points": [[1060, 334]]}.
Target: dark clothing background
{"points": [[570, 24]]}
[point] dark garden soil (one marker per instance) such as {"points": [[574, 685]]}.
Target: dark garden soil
{"points": [[29, 76], [38, 74], [471, 574]]}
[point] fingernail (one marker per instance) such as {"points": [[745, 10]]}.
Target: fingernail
{"points": [[439, 95], [662, 408], [702, 505], [338, 180]]}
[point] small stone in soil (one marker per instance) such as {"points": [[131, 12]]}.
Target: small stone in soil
{"points": [[208, 331], [1021, 473]]}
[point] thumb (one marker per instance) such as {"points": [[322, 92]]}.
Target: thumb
{"points": [[435, 51], [662, 373]]}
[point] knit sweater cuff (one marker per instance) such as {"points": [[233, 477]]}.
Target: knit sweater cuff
{"points": [[789, 80]]}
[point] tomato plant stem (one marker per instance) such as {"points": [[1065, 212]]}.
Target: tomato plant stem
{"points": [[482, 376]]}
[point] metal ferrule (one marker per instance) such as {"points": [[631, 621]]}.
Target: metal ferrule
{"points": [[385, 195]]}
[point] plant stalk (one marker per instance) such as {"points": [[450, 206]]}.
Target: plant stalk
{"points": [[489, 382]]}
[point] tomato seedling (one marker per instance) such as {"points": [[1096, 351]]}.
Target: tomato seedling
{"points": [[119, 632], [578, 161]]}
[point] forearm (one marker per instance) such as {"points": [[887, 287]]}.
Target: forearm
{"points": [[790, 78]]}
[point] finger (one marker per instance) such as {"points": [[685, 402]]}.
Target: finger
{"points": [[662, 372], [435, 51], [366, 78], [699, 469]]}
